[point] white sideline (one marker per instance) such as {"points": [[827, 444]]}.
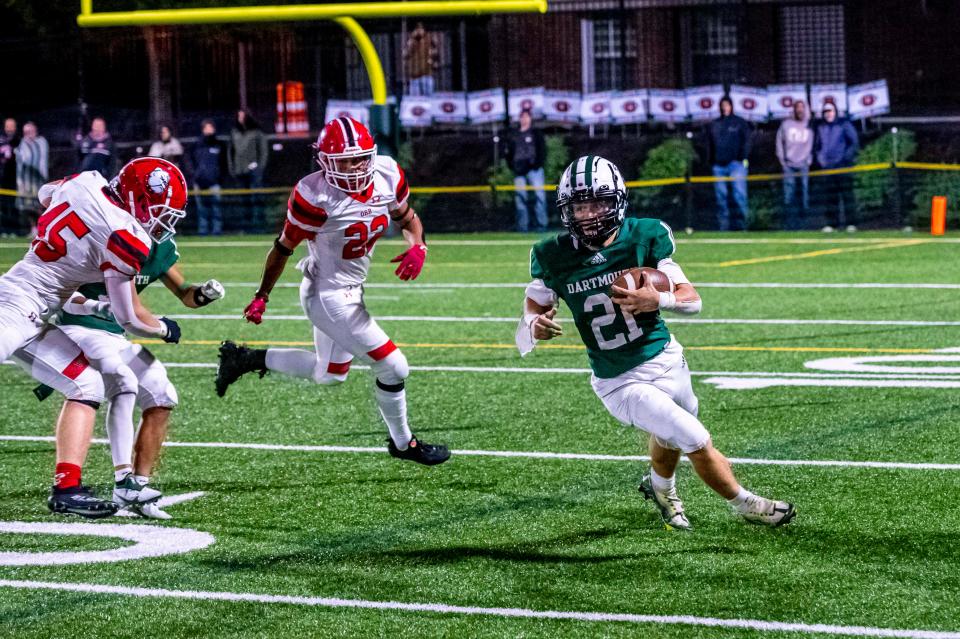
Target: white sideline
{"points": [[671, 320], [441, 285], [522, 454], [521, 613]]}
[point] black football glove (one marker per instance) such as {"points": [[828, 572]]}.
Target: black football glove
{"points": [[173, 331]]}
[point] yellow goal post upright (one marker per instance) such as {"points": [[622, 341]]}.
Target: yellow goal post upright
{"points": [[382, 117]]}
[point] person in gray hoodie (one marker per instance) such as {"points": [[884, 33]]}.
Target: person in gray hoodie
{"points": [[247, 161], [795, 152]]}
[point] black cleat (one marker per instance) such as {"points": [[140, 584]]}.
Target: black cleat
{"points": [[235, 361], [420, 452], [79, 500]]}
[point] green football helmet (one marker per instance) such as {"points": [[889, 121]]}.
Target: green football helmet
{"points": [[592, 199]]}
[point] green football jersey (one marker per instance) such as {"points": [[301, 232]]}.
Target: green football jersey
{"points": [[163, 255], [615, 341]]}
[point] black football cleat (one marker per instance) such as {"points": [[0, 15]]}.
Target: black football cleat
{"points": [[420, 452], [235, 361], [79, 500]]}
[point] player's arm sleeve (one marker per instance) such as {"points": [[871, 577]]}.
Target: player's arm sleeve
{"points": [[124, 253], [401, 190], [123, 307], [304, 219], [542, 295], [672, 270]]}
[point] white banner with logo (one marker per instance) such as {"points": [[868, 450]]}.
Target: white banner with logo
{"points": [[820, 94], [486, 106], [703, 103], [629, 107], [529, 99], [416, 110], [868, 100], [347, 109], [449, 108], [782, 97], [667, 105], [750, 103], [561, 106], [595, 108]]}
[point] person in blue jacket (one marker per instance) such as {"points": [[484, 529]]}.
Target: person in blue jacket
{"points": [[835, 146]]}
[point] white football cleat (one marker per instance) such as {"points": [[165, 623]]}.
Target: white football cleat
{"points": [[149, 511], [668, 503], [767, 512], [129, 491]]}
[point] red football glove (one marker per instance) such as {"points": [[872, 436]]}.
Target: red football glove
{"points": [[411, 262], [255, 309]]}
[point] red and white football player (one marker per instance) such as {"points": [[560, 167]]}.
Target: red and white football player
{"points": [[91, 231], [341, 211]]}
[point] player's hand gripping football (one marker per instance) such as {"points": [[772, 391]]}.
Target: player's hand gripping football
{"points": [[645, 299], [544, 327], [411, 262], [255, 309]]}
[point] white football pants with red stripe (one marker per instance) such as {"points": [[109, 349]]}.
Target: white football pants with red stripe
{"points": [[342, 330]]}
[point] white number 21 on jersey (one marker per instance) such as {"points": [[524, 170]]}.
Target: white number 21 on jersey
{"points": [[608, 318]]}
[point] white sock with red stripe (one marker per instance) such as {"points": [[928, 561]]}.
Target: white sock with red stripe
{"points": [[120, 428], [292, 361], [392, 400]]}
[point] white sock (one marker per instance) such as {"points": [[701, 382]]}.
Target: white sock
{"points": [[292, 361], [662, 484], [393, 409], [120, 428], [739, 502], [119, 475], [143, 480]]}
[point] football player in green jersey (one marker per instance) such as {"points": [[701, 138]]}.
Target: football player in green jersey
{"points": [[132, 375], [639, 372]]}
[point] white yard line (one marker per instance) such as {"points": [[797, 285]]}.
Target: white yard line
{"points": [[406, 287], [513, 613], [672, 320], [524, 454]]}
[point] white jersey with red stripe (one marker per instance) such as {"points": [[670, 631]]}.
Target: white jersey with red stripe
{"points": [[81, 236], [342, 228]]}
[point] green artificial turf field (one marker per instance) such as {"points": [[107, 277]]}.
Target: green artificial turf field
{"points": [[808, 365]]}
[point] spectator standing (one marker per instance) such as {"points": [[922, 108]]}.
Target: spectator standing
{"points": [[795, 152], [8, 176], [420, 59], [209, 161], [97, 149], [167, 147], [525, 154], [33, 155], [835, 146], [728, 139], [247, 160]]}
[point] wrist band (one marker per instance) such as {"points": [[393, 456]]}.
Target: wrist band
{"points": [[199, 298], [281, 249], [668, 301]]}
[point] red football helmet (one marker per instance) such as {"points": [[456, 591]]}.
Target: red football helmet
{"points": [[346, 152], [154, 192]]}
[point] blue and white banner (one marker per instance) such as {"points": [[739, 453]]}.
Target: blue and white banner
{"points": [[820, 94], [595, 108], [416, 110], [668, 105], [486, 106], [868, 100], [782, 97], [561, 106], [750, 103], [529, 99], [449, 108], [347, 109], [703, 103], [629, 107]]}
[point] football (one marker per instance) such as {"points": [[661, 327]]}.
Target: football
{"points": [[635, 277]]}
